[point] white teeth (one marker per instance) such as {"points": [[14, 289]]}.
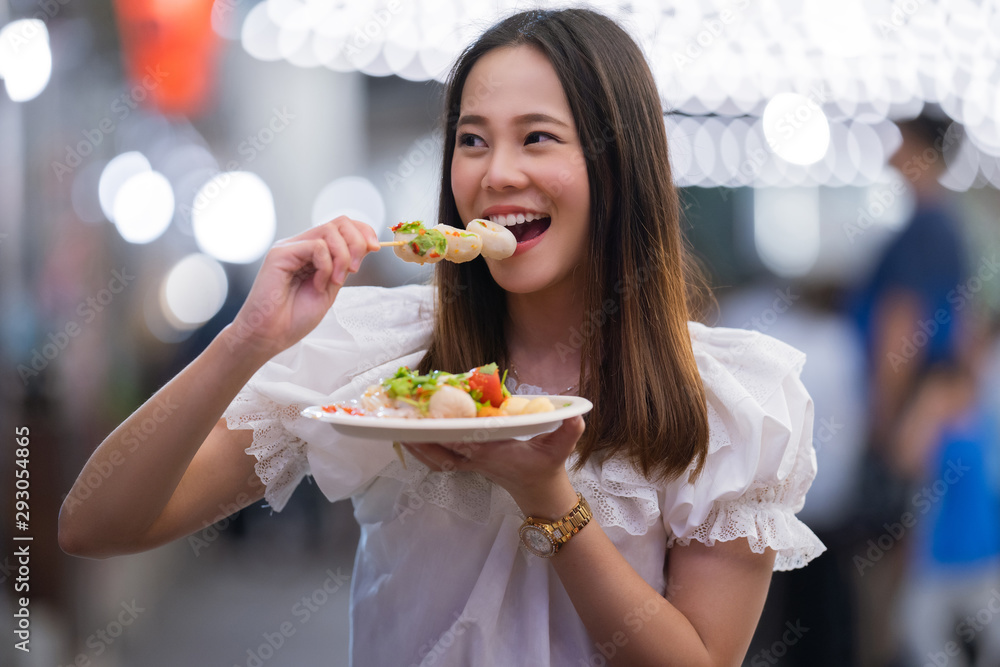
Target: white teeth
{"points": [[516, 218]]}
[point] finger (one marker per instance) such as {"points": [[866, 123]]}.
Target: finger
{"points": [[340, 254], [443, 458], [294, 258], [324, 265], [418, 455], [572, 428], [371, 238], [562, 441], [357, 246], [462, 451]]}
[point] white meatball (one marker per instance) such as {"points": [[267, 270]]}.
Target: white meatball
{"points": [[498, 242], [515, 405], [540, 404], [451, 402], [463, 245]]}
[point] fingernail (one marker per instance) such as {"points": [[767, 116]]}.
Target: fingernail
{"points": [[341, 276], [356, 264]]}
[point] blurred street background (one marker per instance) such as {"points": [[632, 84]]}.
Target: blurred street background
{"points": [[839, 166]]}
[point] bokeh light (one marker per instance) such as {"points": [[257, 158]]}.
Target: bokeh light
{"points": [[144, 207], [25, 58], [796, 128], [786, 229], [233, 217], [116, 172], [194, 290], [353, 196]]}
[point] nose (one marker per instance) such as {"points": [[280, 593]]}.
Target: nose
{"points": [[504, 170]]}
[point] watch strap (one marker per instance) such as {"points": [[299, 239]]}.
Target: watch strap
{"points": [[561, 530]]}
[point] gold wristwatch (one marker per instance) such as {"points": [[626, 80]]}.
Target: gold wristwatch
{"points": [[545, 538]]}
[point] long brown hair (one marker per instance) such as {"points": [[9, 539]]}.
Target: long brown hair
{"points": [[637, 365]]}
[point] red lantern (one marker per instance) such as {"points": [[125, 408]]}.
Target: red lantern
{"points": [[170, 53]]}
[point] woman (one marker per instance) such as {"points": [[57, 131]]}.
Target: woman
{"points": [[700, 439]]}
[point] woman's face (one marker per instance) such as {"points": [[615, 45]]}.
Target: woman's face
{"points": [[518, 161]]}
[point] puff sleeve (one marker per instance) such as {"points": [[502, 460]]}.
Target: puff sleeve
{"points": [[760, 459], [367, 334]]}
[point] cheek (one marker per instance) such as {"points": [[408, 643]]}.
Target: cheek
{"points": [[576, 191], [463, 182]]}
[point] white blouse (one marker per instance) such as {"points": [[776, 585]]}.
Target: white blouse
{"points": [[441, 549]]}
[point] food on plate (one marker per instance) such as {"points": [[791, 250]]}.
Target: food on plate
{"points": [[520, 405], [418, 244], [449, 401], [498, 241], [479, 392]]}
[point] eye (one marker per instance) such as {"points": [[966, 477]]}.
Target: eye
{"points": [[471, 140], [538, 137]]}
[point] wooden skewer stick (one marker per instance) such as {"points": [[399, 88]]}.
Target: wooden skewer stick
{"points": [[386, 244], [399, 452]]}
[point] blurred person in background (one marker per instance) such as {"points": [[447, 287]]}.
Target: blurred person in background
{"points": [[910, 315], [812, 320], [947, 445]]}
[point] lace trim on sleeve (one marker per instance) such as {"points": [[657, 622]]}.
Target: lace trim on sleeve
{"points": [[766, 525], [618, 495], [281, 457]]}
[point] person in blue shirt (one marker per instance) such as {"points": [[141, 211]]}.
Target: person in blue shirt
{"points": [[949, 607], [910, 315], [910, 309]]}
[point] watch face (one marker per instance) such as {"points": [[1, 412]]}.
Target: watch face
{"points": [[537, 540]]}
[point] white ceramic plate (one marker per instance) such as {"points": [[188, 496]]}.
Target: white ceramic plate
{"points": [[478, 429]]}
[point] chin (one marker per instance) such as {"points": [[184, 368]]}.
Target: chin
{"points": [[521, 280]]}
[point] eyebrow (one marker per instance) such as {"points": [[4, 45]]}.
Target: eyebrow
{"points": [[524, 119]]}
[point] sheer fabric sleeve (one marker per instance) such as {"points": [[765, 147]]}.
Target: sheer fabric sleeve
{"points": [[760, 460], [368, 334]]}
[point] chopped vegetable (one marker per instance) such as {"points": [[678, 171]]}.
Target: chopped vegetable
{"points": [[476, 393]]}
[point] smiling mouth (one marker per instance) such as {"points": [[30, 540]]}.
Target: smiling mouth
{"points": [[523, 230]]}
